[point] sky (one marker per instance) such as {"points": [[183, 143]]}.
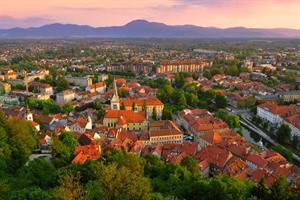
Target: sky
{"points": [[99, 13]]}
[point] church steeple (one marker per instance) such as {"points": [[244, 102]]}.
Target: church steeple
{"points": [[28, 114], [115, 101]]}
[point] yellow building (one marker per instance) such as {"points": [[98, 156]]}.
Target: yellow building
{"points": [[163, 132], [150, 104], [126, 119]]}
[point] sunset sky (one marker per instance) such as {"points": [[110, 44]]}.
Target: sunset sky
{"points": [[96, 13]]}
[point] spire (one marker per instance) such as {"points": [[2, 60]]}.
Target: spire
{"points": [[115, 89], [27, 107]]}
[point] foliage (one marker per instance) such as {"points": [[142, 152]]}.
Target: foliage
{"points": [[284, 133], [154, 113], [63, 148], [190, 164]]}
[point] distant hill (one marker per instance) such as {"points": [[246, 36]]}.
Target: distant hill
{"points": [[143, 28]]}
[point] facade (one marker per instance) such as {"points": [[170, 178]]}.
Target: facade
{"points": [[271, 112], [80, 81], [199, 122], [81, 125], [176, 66], [149, 104], [65, 96], [97, 87], [126, 119], [289, 95], [162, 132]]}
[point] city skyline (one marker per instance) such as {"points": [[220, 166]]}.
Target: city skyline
{"points": [[207, 13]]}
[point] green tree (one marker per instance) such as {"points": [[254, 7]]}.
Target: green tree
{"points": [[220, 100], [39, 172], [284, 133], [122, 107], [154, 113], [144, 108], [296, 141], [190, 163], [67, 108], [281, 190], [33, 193], [61, 153], [207, 74], [233, 121], [70, 187], [221, 113]]}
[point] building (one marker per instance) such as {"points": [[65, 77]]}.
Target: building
{"points": [[271, 112], [162, 132], [199, 122], [11, 75], [65, 96], [80, 125], [97, 87], [289, 95], [126, 119], [144, 104], [42, 87], [80, 81], [175, 66]]}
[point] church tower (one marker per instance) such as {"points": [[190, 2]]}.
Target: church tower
{"points": [[115, 101], [28, 115]]}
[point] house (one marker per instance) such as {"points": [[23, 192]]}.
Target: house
{"points": [[199, 122], [165, 133], [11, 75], [125, 119], [65, 96], [97, 87], [80, 125], [271, 112], [85, 152], [144, 104], [255, 161]]}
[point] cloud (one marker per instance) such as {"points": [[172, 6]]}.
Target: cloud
{"points": [[7, 22]]}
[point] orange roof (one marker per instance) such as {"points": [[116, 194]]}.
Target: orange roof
{"points": [[212, 137], [33, 123], [273, 108], [80, 158], [129, 115], [140, 102]]}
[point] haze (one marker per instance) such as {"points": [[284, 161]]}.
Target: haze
{"points": [[96, 13]]}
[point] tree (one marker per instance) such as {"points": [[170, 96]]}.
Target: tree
{"points": [[190, 163], [221, 113], [120, 183], [296, 141], [281, 190], [284, 133], [207, 74], [70, 187], [67, 108], [144, 108], [220, 100], [62, 84], [122, 107], [154, 113], [61, 153], [39, 172], [233, 121], [31, 193]]}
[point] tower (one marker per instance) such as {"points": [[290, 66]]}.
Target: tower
{"points": [[28, 115], [115, 101]]}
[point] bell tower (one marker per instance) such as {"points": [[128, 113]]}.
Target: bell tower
{"points": [[115, 101]]}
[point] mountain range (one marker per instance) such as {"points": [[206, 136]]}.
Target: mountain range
{"points": [[146, 29]]}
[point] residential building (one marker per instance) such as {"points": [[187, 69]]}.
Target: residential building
{"points": [[148, 104], [175, 66], [97, 87], [126, 119], [163, 132], [65, 96]]}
